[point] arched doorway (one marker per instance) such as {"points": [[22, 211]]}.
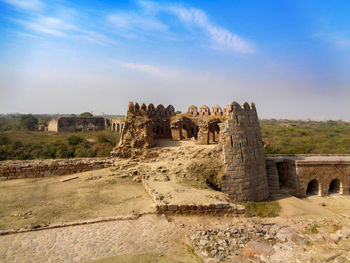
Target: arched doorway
{"points": [[213, 130], [334, 187], [184, 132], [312, 188]]}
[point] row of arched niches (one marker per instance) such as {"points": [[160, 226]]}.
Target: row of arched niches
{"points": [[215, 110], [204, 110], [150, 110]]}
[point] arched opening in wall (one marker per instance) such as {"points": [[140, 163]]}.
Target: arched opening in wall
{"points": [[113, 127], [312, 188], [184, 132], [213, 131], [118, 127], [334, 187], [283, 175]]}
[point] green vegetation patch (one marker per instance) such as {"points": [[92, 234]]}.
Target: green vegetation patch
{"points": [[313, 229], [262, 209], [306, 137], [24, 145]]}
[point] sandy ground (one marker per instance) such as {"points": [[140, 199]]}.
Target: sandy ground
{"points": [[333, 206], [95, 194]]}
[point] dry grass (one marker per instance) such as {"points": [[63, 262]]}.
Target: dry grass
{"points": [[181, 257], [28, 202], [262, 209]]}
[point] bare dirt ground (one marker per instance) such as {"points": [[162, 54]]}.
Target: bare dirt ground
{"points": [[30, 202], [314, 229]]}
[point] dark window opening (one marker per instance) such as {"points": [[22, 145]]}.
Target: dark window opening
{"points": [[312, 188], [334, 187]]}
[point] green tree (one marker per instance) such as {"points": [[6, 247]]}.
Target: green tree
{"points": [[44, 120], [86, 114], [29, 122]]}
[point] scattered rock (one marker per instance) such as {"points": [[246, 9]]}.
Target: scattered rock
{"points": [[161, 178], [96, 177], [137, 179], [261, 249]]}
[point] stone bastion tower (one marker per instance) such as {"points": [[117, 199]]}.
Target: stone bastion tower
{"points": [[236, 130], [245, 176]]}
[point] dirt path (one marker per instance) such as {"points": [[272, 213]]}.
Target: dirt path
{"points": [[81, 243], [313, 207]]}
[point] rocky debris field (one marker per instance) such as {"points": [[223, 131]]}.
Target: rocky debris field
{"points": [[257, 240]]}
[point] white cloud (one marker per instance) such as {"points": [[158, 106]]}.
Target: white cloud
{"points": [[340, 40], [59, 28], [94, 37], [135, 21], [25, 4], [151, 70], [221, 38]]}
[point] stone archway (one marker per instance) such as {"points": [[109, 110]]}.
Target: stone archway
{"points": [[312, 188], [213, 131], [334, 187]]}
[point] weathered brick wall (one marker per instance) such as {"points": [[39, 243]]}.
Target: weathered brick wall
{"points": [[73, 124], [296, 172], [42, 168], [324, 173], [245, 176]]}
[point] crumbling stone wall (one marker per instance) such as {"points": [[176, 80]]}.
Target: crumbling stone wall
{"points": [[143, 125], [78, 124], [202, 124], [117, 124], [245, 176], [42, 168], [52, 125]]}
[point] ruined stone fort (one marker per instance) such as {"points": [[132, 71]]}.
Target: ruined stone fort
{"points": [[248, 175], [78, 124]]}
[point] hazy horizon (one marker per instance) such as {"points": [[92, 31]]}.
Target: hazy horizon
{"points": [[291, 58]]}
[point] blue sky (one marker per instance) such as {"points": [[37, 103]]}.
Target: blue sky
{"points": [[292, 58]]}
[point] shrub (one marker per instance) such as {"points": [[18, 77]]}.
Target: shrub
{"points": [[313, 229], [29, 122], [262, 209], [86, 114], [75, 139], [62, 151], [4, 139]]}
